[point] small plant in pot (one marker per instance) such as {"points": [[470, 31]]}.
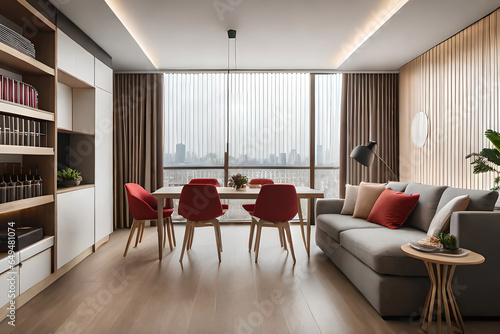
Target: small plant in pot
{"points": [[239, 181], [69, 177]]}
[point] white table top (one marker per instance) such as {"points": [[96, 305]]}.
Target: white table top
{"points": [[231, 193]]}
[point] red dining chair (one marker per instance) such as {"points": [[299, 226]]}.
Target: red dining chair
{"points": [[200, 205], [214, 182], [143, 206], [276, 205], [251, 207]]}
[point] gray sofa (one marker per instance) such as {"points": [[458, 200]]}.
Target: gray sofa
{"points": [[395, 284]]}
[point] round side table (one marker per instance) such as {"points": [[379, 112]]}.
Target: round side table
{"points": [[441, 268]]}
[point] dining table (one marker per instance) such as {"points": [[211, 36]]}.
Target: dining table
{"points": [[248, 193]]}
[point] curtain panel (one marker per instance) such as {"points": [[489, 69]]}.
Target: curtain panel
{"points": [[370, 110], [138, 137]]}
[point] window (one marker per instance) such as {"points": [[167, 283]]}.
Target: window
{"points": [[266, 129]]}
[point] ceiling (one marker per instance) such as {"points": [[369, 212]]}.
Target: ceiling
{"points": [[347, 35]]}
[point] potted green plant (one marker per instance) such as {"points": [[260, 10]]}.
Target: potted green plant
{"points": [[488, 160], [239, 181], [69, 177]]}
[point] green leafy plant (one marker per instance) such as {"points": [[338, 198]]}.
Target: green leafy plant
{"points": [[448, 241], [488, 160], [239, 180], [69, 174]]}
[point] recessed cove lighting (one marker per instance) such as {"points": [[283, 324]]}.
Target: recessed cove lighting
{"points": [[373, 22], [121, 13]]}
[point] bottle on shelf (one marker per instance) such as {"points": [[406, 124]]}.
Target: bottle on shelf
{"points": [[19, 184], [11, 188], [3, 190], [27, 185], [38, 182]]}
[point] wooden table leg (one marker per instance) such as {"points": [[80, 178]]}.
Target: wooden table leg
{"points": [[159, 225], [301, 220], [427, 315], [308, 227]]}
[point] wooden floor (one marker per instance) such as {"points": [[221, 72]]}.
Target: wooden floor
{"points": [[107, 293]]}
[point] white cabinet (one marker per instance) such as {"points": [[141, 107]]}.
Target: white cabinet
{"points": [[103, 164], [9, 286], [73, 59], [34, 270], [75, 224], [103, 76]]}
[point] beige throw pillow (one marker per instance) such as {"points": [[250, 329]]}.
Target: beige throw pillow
{"points": [[368, 194], [441, 221], [351, 194]]}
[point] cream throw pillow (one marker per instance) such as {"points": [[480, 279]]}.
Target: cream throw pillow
{"points": [[441, 221], [351, 194], [368, 194]]}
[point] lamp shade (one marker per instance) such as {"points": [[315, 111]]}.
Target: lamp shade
{"points": [[364, 153]]}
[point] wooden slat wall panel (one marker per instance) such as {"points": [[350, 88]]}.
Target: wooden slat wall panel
{"points": [[457, 85]]}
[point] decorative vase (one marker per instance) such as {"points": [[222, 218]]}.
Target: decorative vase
{"points": [[242, 188], [70, 183], [497, 205]]}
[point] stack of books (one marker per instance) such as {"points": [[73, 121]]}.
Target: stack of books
{"points": [[18, 92], [16, 41]]}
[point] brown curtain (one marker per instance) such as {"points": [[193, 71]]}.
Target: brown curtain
{"points": [[138, 137], [370, 109]]}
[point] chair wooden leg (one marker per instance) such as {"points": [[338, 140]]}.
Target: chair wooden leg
{"points": [[172, 229], [130, 236], [139, 224], [250, 239], [166, 228], [220, 237], [280, 231], [186, 237], [257, 240], [142, 230], [289, 235], [217, 239], [191, 237], [283, 238]]}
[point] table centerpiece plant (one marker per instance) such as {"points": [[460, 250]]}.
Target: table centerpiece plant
{"points": [[239, 181]]}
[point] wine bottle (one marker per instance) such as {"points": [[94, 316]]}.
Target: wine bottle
{"points": [[19, 185], [3, 190], [11, 188], [38, 182], [27, 185]]}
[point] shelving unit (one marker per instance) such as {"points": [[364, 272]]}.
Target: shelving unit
{"points": [[41, 74]]}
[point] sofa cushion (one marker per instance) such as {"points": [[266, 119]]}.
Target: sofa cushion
{"points": [[368, 194], [351, 194], [333, 224], [480, 200], [397, 186], [392, 208], [441, 221], [380, 249], [426, 207]]}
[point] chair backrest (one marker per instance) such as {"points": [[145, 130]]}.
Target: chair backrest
{"points": [[276, 203], [200, 202], [142, 205], [261, 181], [214, 182]]}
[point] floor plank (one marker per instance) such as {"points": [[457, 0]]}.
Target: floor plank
{"points": [[107, 293]]}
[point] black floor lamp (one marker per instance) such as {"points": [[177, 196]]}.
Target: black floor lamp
{"points": [[364, 154]]}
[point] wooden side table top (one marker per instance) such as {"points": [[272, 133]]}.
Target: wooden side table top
{"points": [[469, 259]]}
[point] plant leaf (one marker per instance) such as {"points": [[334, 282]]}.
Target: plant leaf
{"points": [[494, 137], [492, 155]]}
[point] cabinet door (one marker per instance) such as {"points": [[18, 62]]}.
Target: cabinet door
{"points": [[34, 270], [103, 76], [84, 65], [103, 164], [75, 224], [83, 110], [66, 53], [5, 285], [64, 107]]}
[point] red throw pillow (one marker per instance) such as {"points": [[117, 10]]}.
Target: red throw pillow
{"points": [[392, 208]]}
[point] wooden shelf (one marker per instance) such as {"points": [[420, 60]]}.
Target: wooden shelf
{"points": [[63, 190], [70, 80], [20, 110], [19, 61], [26, 203], [19, 10], [26, 150]]}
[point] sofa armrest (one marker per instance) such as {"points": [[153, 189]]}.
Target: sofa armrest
{"points": [[476, 230], [328, 205]]}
